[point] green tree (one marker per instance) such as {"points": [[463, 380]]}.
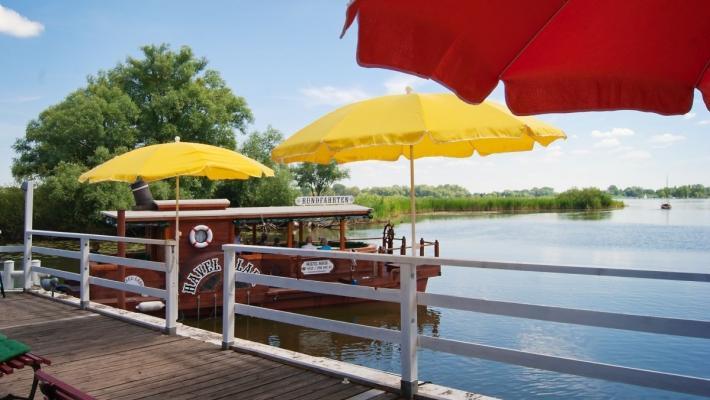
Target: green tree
{"points": [[62, 203], [276, 191], [11, 214], [177, 95], [141, 101], [317, 178], [89, 126]]}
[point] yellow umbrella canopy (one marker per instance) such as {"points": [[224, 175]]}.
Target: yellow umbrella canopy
{"points": [[414, 125], [167, 160], [383, 128], [161, 161]]}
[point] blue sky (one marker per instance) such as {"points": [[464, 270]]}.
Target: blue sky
{"points": [[286, 59]]}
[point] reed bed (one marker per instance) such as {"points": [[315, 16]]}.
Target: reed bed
{"points": [[385, 207]]}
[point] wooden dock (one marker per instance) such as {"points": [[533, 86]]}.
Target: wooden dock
{"points": [[113, 359]]}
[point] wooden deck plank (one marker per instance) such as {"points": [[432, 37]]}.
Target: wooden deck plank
{"points": [[339, 391], [112, 359], [310, 389]]}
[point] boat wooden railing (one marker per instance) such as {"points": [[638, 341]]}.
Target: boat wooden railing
{"points": [[408, 298]]}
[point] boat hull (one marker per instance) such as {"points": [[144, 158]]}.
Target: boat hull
{"points": [[200, 284]]}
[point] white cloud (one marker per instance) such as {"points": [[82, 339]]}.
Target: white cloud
{"points": [[607, 143], [333, 96], [704, 122], [665, 140], [14, 24], [636, 155], [580, 151], [615, 132], [398, 83], [689, 115]]}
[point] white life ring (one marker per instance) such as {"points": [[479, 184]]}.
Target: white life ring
{"points": [[201, 244]]}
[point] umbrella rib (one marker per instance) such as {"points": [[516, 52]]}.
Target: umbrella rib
{"points": [[532, 39]]}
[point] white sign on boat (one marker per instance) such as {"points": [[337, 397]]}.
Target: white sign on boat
{"points": [[323, 200], [314, 267]]}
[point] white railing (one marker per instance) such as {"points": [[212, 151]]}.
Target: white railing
{"points": [[409, 299], [9, 275], [169, 294]]}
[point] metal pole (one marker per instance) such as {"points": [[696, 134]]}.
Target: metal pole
{"points": [[228, 289], [171, 287], [84, 294], [409, 331], [412, 200], [28, 187], [177, 214]]}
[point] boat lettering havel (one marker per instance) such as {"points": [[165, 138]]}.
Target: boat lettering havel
{"points": [[193, 279]]}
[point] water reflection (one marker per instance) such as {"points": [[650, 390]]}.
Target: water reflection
{"points": [[586, 216], [329, 344]]}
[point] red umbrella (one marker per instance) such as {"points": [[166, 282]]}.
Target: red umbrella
{"points": [[553, 55]]}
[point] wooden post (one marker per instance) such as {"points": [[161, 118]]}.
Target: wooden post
{"points": [[403, 249], [289, 234], [342, 234], [253, 234], [121, 231], [421, 247], [28, 187], [409, 331], [84, 294], [228, 289], [436, 248], [300, 232]]}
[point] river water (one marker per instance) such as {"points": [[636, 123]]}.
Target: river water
{"points": [[638, 236]]}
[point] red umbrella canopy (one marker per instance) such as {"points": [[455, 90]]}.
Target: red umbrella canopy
{"points": [[552, 55]]}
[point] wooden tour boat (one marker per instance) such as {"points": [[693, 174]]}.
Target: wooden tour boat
{"points": [[206, 225]]}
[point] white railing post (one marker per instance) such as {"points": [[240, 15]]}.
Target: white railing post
{"points": [[35, 275], [172, 275], [84, 295], [228, 290], [7, 279], [409, 330], [28, 187]]}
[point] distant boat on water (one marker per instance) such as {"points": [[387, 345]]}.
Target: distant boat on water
{"points": [[667, 204]]}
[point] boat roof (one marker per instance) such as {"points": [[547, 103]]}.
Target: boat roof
{"points": [[249, 214]]}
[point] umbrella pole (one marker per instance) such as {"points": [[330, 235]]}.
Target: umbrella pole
{"points": [[177, 219], [412, 200]]}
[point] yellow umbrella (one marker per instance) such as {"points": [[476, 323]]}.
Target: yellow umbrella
{"points": [[161, 161], [413, 125]]}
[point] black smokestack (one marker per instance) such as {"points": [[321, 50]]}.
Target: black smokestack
{"points": [[142, 196]]}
